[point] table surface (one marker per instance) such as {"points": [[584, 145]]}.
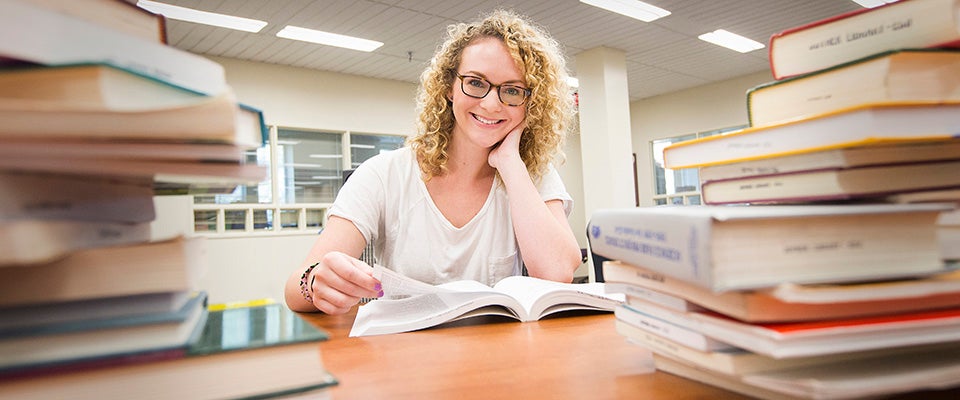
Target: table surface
{"points": [[572, 356]]}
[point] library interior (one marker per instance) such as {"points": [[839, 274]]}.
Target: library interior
{"points": [[765, 196]]}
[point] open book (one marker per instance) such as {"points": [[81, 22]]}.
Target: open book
{"points": [[409, 305]]}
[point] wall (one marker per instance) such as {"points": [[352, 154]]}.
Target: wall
{"points": [[699, 109]]}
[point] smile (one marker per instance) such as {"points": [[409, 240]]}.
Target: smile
{"points": [[486, 121]]}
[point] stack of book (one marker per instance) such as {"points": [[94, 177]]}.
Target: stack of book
{"points": [[781, 301], [823, 264], [98, 112]]}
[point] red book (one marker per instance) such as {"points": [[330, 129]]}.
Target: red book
{"points": [[850, 36]]}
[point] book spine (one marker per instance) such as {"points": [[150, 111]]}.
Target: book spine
{"points": [[904, 24], [37, 241], [51, 197], [671, 244]]}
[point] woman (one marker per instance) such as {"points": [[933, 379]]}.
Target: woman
{"points": [[473, 195]]}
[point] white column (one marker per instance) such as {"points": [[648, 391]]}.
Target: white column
{"points": [[605, 139]]}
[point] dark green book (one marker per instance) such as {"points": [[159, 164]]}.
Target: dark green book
{"points": [[248, 352]]}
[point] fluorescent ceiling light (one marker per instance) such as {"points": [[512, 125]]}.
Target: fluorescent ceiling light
{"points": [[872, 3], [573, 82], [731, 41], [631, 8], [362, 146], [203, 17], [327, 38]]}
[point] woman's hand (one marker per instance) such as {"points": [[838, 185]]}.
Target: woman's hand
{"points": [[508, 149], [339, 281]]}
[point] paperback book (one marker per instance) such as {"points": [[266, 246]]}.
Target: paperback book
{"points": [[410, 305]]}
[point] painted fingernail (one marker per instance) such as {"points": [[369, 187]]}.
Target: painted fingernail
{"points": [[378, 287], [380, 294]]}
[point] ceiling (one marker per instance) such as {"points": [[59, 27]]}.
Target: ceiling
{"points": [[662, 56]]}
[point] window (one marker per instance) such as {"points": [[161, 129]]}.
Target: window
{"points": [[682, 186], [306, 173], [362, 147]]}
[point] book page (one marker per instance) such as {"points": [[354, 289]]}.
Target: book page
{"points": [[397, 286]]}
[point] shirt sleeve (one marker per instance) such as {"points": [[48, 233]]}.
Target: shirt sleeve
{"points": [[552, 188], [360, 200]]}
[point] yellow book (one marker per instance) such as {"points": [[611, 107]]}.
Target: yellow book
{"points": [[869, 124]]}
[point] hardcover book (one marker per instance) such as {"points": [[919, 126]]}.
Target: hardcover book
{"points": [[50, 37], [842, 38], [857, 126], [410, 305], [894, 76], [850, 157], [159, 267], [834, 184], [725, 248]]}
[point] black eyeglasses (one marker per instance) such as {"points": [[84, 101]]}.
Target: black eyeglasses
{"points": [[477, 87]]}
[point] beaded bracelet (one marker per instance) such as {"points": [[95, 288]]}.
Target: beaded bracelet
{"points": [[304, 287]]}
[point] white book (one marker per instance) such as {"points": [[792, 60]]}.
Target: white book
{"points": [[819, 338], [678, 333], [410, 305], [724, 248]]}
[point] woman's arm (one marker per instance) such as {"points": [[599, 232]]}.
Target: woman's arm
{"points": [[339, 279], [549, 248]]}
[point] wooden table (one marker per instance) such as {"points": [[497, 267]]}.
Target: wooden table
{"points": [[569, 357], [574, 356]]}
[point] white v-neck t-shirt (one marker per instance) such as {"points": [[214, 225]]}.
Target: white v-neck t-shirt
{"points": [[387, 200]]}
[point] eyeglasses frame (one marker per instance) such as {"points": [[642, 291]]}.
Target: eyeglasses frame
{"points": [[527, 92]]}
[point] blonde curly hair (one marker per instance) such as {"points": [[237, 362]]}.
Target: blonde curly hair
{"points": [[549, 108]]}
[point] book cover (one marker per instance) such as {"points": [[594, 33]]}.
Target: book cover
{"points": [[841, 38], [834, 184], [856, 126], [881, 154], [50, 37], [410, 305], [163, 266], [892, 76], [263, 351], [735, 247]]}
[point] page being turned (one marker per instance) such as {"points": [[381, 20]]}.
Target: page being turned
{"points": [[396, 286]]}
